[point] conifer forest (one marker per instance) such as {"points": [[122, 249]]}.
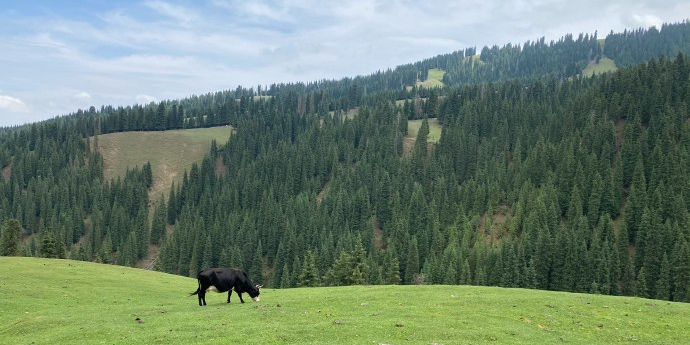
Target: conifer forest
{"points": [[542, 178]]}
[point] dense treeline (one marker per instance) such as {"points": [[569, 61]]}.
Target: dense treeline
{"points": [[55, 190], [634, 46], [577, 185], [541, 179], [563, 58]]}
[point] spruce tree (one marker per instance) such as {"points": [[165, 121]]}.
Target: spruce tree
{"points": [[465, 273], [412, 263], [663, 284], [172, 205], [285, 280], [195, 261], [127, 255], [641, 284], [340, 271], [309, 275], [158, 223], [256, 269], [207, 260], [49, 246], [680, 269], [530, 276], [451, 273], [392, 269], [167, 257], [10, 240]]}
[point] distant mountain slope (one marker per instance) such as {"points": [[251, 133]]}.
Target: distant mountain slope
{"points": [[170, 153]]}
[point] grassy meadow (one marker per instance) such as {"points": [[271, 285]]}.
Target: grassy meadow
{"points": [[170, 153], [434, 130], [434, 79], [604, 65], [50, 301]]}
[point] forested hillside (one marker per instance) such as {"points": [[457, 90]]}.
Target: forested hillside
{"points": [[542, 178]]}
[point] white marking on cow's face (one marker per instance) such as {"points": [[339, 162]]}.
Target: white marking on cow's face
{"points": [[255, 299], [212, 288]]}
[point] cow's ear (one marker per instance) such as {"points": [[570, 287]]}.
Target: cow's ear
{"points": [[259, 286]]}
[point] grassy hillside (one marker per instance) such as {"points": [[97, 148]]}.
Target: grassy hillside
{"points": [[412, 131], [170, 153], [435, 129], [434, 79], [69, 302], [604, 65]]}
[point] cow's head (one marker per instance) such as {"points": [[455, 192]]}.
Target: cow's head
{"points": [[254, 292]]}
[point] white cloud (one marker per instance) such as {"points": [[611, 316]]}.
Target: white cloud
{"points": [[182, 14], [647, 20], [82, 95], [144, 99], [126, 52], [257, 10], [262, 10], [12, 104]]}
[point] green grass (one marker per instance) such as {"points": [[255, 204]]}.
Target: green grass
{"points": [[260, 98], [434, 79], [604, 65], [401, 102], [434, 130], [170, 153], [68, 302]]}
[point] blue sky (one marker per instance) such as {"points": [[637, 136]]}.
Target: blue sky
{"points": [[59, 56]]}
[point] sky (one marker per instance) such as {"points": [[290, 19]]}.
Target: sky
{"points": [[60, 56]]}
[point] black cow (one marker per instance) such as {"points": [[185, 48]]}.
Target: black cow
{"points": [[225, 279]]}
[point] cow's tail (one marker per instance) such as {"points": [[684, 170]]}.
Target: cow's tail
{"points": [[197, 290]]}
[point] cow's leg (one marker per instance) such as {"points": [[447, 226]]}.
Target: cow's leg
{"points": [[229, 294], [239, 294], [202, 297]]}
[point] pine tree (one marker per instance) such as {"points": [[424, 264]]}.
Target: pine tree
{"points": [[680, 269], [310, 274], [256, 269], [285, 281], [357, 277], [594, 202], [158, 223], [106, 251], [167, 257], [207, 260], [195, 261], [361, 269], [49, 246], [636, 202], [127, 255], [392, 269], [340, 271], [575, 206], [465, 273], [530, 276], [641, 284], [172, 205], [663, 283], [412, 264], [9, 243]]}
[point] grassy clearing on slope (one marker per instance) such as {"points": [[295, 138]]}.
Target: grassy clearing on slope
{"points": [[434, 79], [604, 65], [170, 153], [349, 114], [434, 130], [69, 302], [261, 98]]}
